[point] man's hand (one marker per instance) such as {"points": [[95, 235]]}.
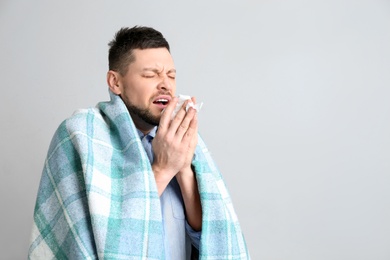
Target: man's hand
{"points": [[174, 144]]}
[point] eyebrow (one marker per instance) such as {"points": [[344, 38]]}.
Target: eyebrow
{"points": [[159, 71]]}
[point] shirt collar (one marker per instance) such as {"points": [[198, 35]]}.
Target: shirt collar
{"points": [[152, 133]]}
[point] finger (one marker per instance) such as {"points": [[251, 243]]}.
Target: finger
{"points": [[187, 117], [166, 115], [192, 130], [177, 120], [185, 124]]}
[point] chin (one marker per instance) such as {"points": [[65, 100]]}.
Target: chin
{"points": [[153, 120]]}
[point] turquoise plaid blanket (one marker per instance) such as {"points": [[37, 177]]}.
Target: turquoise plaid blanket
{"points": [[98, 199]]}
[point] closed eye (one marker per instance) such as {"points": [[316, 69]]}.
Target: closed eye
{"points": [[172, 75], [148, 75]]}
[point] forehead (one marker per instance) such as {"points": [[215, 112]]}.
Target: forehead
{"points": [[156, 57]]}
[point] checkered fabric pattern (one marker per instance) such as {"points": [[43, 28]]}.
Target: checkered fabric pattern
{"points": [[98, 198]]}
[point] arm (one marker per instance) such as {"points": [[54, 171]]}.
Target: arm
{"points": [[189, 186], [174, 147], [189, 189]]}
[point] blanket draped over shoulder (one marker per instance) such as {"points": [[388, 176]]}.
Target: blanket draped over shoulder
{"points": [[98, 198]]}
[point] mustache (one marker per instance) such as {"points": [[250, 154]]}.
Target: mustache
{"points": [[160, 93], [168, 93]]}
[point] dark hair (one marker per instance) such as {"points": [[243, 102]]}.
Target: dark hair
{"points": [[120, 54]]}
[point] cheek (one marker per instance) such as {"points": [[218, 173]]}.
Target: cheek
{"points": [[129, 96], [137, 94], [144, 96], [173, 87]]}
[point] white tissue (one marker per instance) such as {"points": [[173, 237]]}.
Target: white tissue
{"points": [[182, 99]]}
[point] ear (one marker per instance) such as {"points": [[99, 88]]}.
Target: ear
{"points": [[113, 81]]}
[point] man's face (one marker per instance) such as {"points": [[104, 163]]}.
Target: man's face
{"points": [[148, 85]]}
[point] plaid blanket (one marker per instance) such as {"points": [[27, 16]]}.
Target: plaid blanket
{"points": [[98, 198]]}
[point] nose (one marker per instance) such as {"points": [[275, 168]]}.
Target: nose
{"points": [[165, 83]]}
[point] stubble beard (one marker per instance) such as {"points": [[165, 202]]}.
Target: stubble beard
{"points": [[143, 114]]}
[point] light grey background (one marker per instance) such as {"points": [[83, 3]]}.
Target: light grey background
{"points": [[296, 110]]}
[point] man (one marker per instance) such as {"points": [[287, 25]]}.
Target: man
{"points": [[127, 179]]}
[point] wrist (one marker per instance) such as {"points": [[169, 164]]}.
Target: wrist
{"points": [[185, 172], [162, 177], [186, 169]]}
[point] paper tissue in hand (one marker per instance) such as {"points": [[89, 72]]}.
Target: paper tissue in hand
{"points": [[182, 99]]}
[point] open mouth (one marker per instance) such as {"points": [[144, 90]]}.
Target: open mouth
{"points": [[161, 101]]}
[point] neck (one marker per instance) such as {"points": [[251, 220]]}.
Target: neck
{"points": [[141, 125]]}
